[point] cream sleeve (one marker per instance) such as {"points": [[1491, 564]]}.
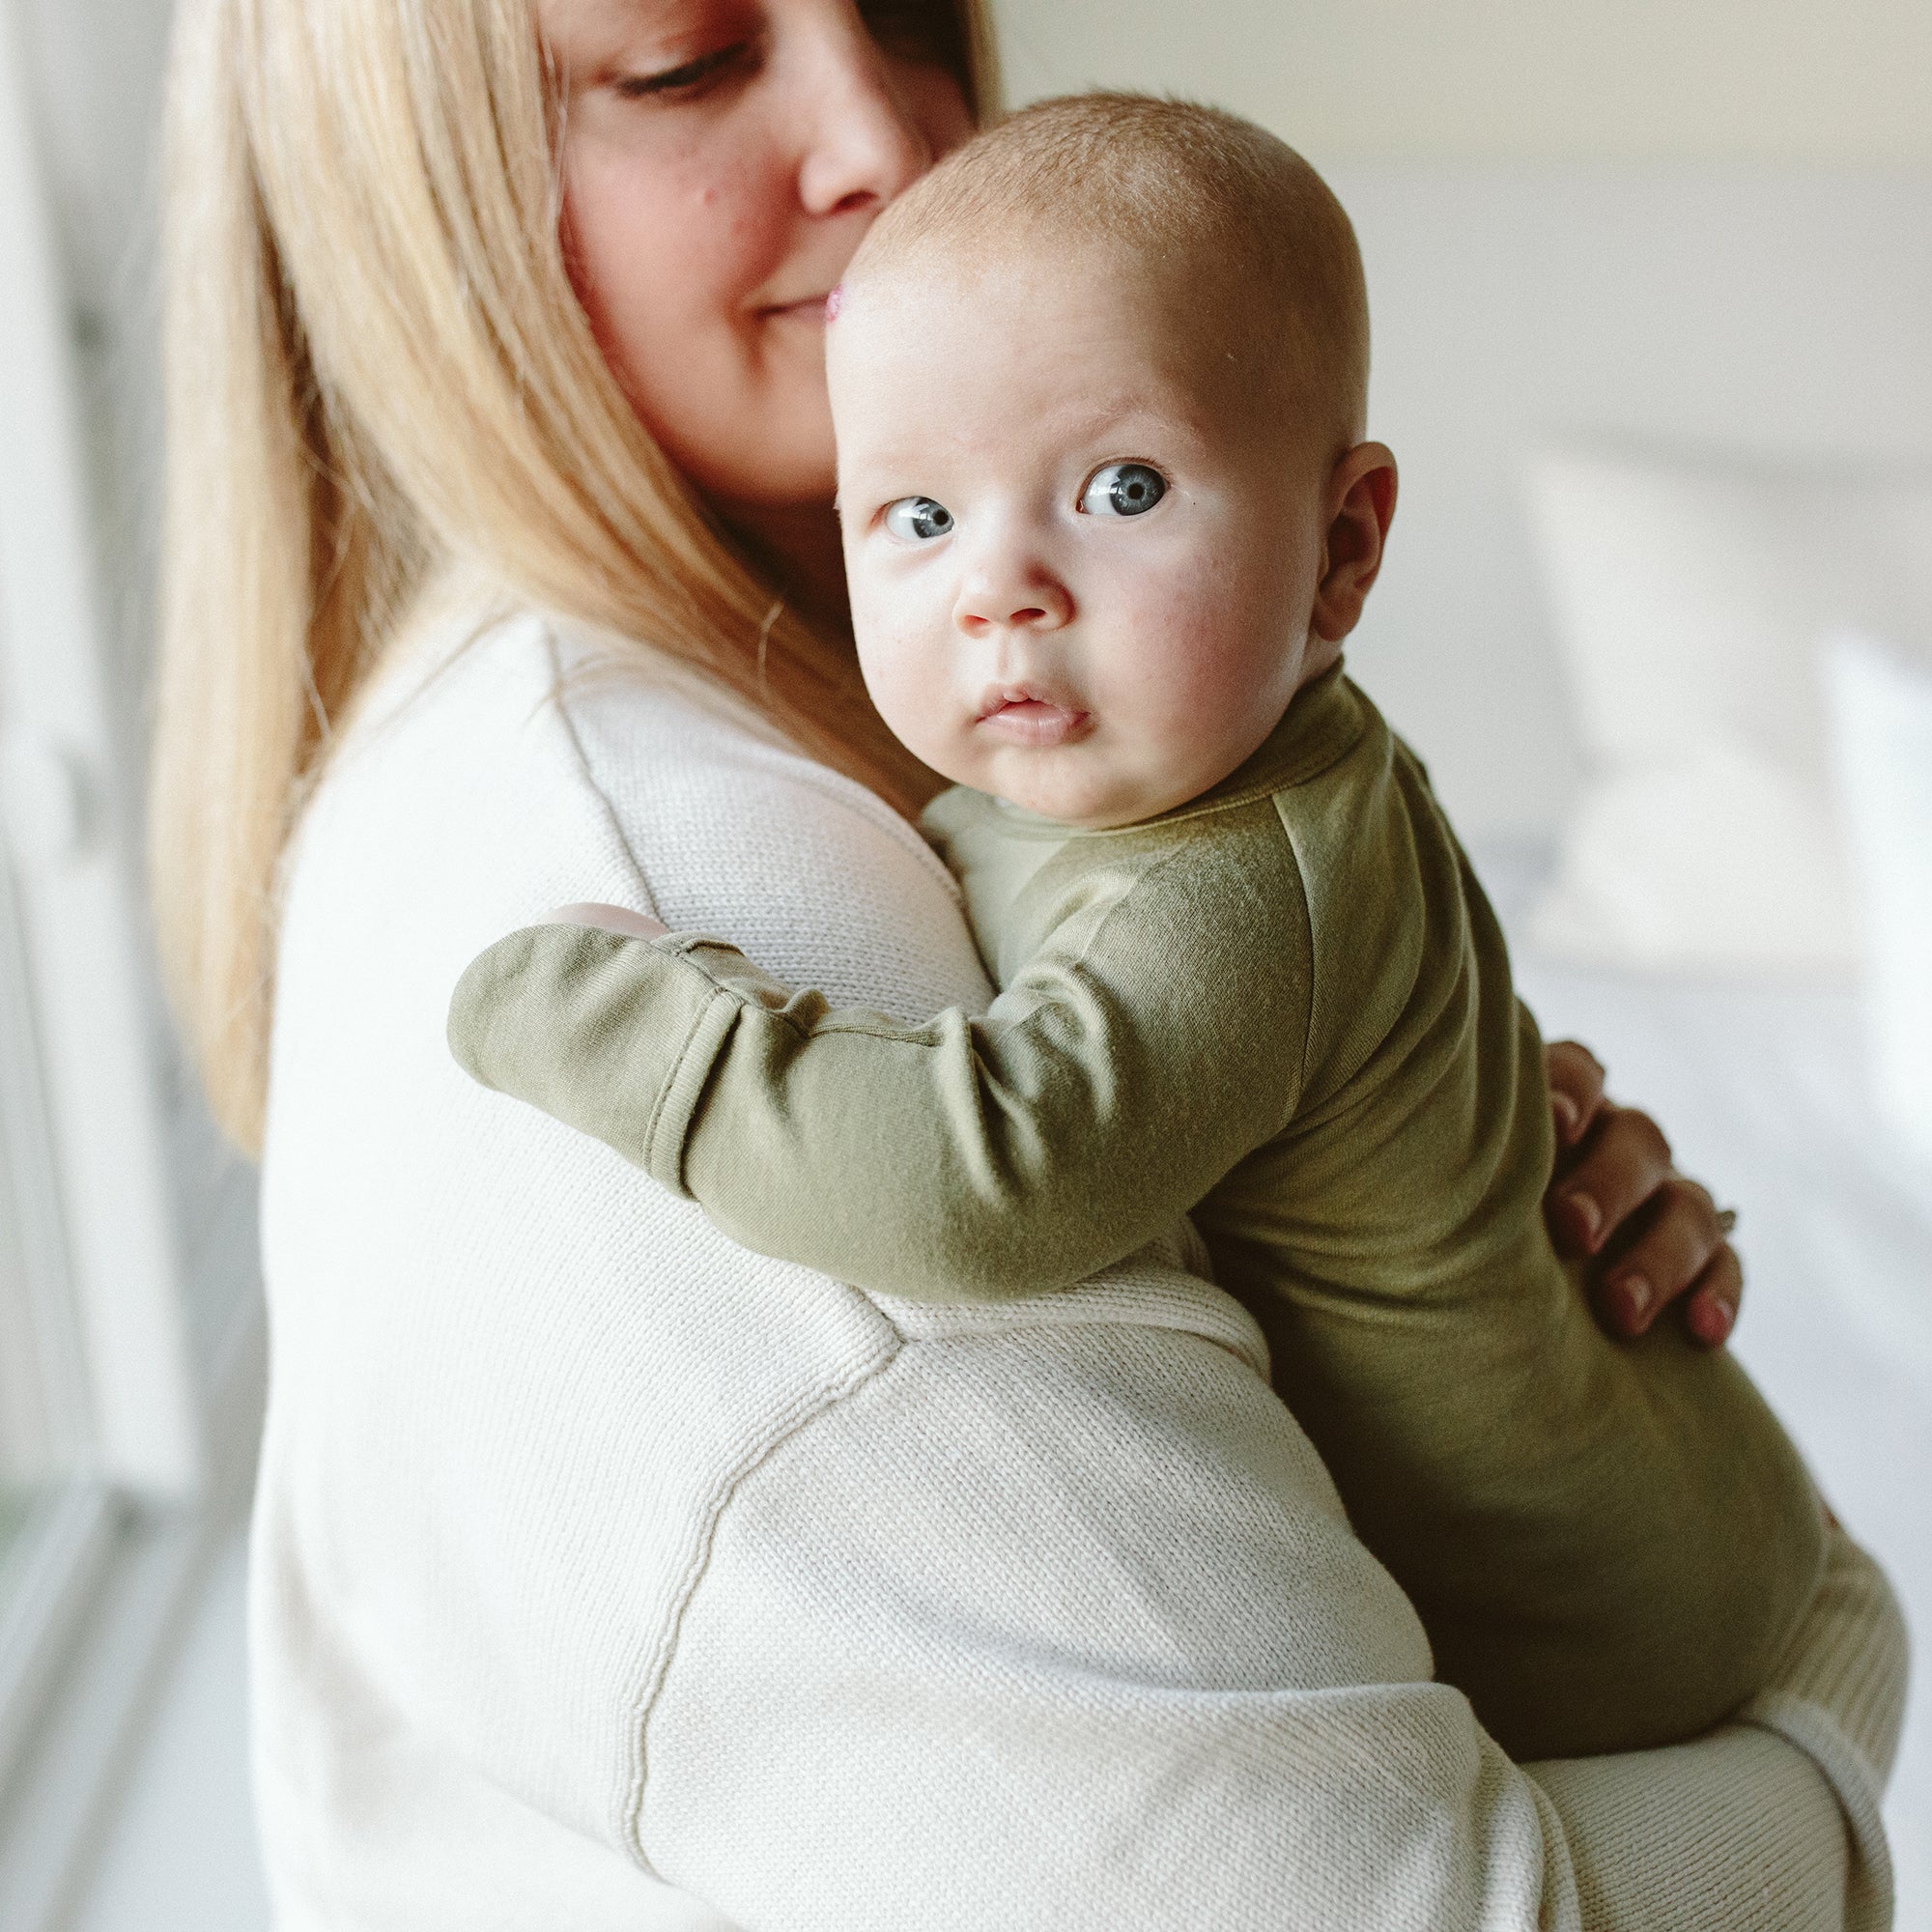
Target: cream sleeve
{"points": [[1066, 1628], [1791, 1793]]}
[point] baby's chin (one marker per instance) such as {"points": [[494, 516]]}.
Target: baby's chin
{"points": [[1086, 783], [1072, 788]]}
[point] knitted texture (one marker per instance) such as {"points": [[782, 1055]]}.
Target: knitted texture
{"points": [[1839, 1696], [607, 1576], [1286, 1009]]}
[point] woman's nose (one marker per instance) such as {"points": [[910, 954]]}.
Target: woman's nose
{"points": [[866, 147]]}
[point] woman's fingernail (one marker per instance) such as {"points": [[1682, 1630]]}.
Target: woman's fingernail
{"points": [[1565, 1110], [1713, 1321], [1636, 1296], [1589, 1218]]}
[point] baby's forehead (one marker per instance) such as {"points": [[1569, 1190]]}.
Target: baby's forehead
{"points": [[1109, 328], [1169, 268], [1167, 305]]}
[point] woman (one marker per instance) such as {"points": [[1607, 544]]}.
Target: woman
{"points": [[604, 1575]]}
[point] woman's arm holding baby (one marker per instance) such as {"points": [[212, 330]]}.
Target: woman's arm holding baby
{"points": [[1789, 1792], [1236, 1691]]}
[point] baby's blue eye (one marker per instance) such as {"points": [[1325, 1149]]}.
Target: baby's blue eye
{"points": [[917, 520], [1123, 490]]}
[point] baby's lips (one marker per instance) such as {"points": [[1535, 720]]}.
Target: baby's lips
{"points": [[1037, 722]]}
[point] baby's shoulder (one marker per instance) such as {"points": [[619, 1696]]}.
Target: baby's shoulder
{"points": [[1222, 890], [1374, 850]]}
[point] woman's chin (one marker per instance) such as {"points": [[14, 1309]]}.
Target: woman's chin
{"points": [[779, 456], [802, 490]]}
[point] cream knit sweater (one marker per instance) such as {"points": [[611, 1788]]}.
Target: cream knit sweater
{"points": [[610, 1576]]}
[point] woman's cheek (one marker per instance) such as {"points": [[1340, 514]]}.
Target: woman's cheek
{"points": [[612, 240], [935, 106], [664, 259]]}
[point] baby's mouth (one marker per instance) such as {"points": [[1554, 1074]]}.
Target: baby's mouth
{"points": [[1023, 715]]}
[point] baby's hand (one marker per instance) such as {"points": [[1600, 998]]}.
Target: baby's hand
{"points": [[609, 919]]}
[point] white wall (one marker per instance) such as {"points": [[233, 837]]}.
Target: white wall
{"points": [[1827, 80], [181, 1852], [97, 68], [1772, 316]]}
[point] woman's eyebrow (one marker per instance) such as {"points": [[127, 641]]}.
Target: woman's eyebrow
{"points": [[598, 37]]}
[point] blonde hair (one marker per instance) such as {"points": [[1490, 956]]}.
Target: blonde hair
{"points": [[1228, 220], [375, 363]]}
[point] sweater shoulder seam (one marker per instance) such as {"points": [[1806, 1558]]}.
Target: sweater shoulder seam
{"points": [[587, 773], [787, 1430], [851, 798], [895, 1345]]}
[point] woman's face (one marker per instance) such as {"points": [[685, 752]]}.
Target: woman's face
{"points": [[722, 160]]}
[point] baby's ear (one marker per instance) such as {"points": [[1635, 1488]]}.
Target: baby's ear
{"points": [[1359, 505]]}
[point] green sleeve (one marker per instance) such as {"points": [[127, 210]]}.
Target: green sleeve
{"points": [[1145, 1049]]}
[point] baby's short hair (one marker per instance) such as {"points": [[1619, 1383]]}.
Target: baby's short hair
{"points": [[1235, 221]]}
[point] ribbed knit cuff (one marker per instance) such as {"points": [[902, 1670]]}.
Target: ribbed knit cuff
{"points": [[669, 1129], [1839, 1697], [1850, 1655], [613, 1036]]}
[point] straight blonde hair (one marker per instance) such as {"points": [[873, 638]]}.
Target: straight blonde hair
{"points": [[376, 365]]}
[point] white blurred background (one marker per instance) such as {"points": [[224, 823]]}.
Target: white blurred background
{"points": [[1652, 285]]}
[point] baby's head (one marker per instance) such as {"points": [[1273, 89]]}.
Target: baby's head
{"points": [[1099, 382]]}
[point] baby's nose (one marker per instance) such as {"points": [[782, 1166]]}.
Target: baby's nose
{"points": [[1018, 600]]}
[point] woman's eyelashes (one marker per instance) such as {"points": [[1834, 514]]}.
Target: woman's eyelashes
{"points": [[917, 520], [924, 31], [690, 79], [1123, 490]]}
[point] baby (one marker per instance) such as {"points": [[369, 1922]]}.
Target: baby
{"points": [[1099, 383]]}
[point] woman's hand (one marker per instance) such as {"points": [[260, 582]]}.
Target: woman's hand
{"points": [[1655, 1235]]}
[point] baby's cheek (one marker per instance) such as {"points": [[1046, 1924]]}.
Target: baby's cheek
{"points": [[889, 654], [916, 698], [1223, 691], [1186, 663]]}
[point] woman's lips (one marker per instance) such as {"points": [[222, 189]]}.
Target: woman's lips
{"points": [[1037, 722], [812, 308]]}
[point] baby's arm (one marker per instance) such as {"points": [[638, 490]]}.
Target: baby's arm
{"points": [[1140, 1054]]}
